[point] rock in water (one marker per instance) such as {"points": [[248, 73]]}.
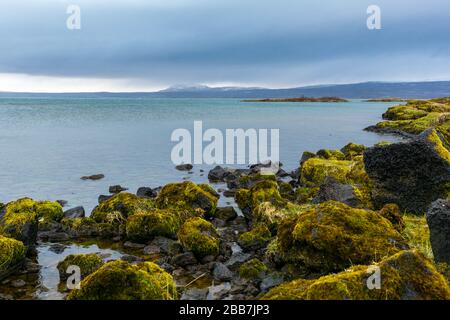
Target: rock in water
{"points": [[93, 177], [184, 167], [438, 219], [146, 192], [411, 174], [77, 212], [117, 189]]}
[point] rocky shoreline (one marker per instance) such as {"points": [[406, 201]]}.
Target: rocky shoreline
{"points": [[308, 234]]}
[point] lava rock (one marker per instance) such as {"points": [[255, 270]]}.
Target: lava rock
{"points": [[146, 192], [93, 177], [226, 213], [184, 167], [221, 272], [117, 189], [184, 259], [331, 189], [438, 219], [77, 212], [103, 198]]}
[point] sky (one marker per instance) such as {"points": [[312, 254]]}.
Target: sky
{"points": [[148, 45]]}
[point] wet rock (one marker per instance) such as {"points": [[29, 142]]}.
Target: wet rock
{"points": [[229, 193], [221, 272], [271, 280], [331, 189], [102, 198], [237, 256], [57, 248], [117, 189], [184, 259], [152, 249], [166, 266], [184, 167], [77, 212], [146, 192], [93, 177], [6, 297], [194, 294], [438, 219], [163, 243], [31, 267], [219, 291], [218, 174], [226, 213], [130, 258], [411, 174], [54, 236], [133, 245]]}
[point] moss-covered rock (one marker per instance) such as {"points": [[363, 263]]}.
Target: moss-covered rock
{"points": [[12, 253], [407, 275], [145, 225], [263, 191], [256, 238], [332, 236], [304, 194], [116, 209], [315, 170], [271, 216], [391, 212], [201, 199], [20, 221], [331, 154], [352, 150], [88, 227], [200, 237], [252, 269], [119, 280], [88, 263]]}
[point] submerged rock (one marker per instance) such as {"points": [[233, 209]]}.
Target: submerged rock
{"points": [[438, 219], [184, 167], [119, 280], [407, 275], [411, 174], [93, 177]]}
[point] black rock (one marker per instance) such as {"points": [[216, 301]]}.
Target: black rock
{"points": [[226, 213], [54, 236], [146, 192], [130, 258], [77, 212], [117, 189], [333, 190], [57, 248], [134, 245], [410, 174], [184, 259], [103, 198], [229, 193], [184, 167], [27, 234], [218, 174], [63, 203], [93, 177], [438, 219]]}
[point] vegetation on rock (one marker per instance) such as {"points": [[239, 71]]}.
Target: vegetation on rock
{"points": [[12, 253], [88, 263], [200, 237]]}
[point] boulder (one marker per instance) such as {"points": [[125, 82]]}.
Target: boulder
{"points": [[77, 212], [332, 236], [221, 272], [200, 237], [410, 174], [117, 189], [407, 275], [226, 213], [145, 192], [438, 219], [88, 263], [119, 280], [331, 189]]}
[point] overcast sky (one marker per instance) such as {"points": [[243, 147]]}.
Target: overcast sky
{"points": [[146, 45]]}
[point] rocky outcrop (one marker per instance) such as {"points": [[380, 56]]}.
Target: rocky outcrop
{"points": [[438, 219]]}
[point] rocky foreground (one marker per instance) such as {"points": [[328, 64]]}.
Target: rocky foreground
{"points": [[314, 233]]}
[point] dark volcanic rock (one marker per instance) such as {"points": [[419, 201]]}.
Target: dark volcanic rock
{"points": [[184, 167], [226, 213], [411, 174], [63, 203], [93, 177], [333, 190], [77, 212], [103, 198], [146, 192], [438, 219], [117, 189], [218, 174], [221, 272], [184, 259]]}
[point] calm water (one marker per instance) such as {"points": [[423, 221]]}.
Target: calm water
{"points": [[46, 145]]}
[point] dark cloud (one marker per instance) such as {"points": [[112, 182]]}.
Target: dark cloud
{"points": [[276, 43]]}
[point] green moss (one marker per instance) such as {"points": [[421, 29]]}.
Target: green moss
{"points": [[434, 138], [88, 227], [88, 263], [315, 170], [19, 216], [271, 216], [304, 194], [119, 207], [417, 126], [352, 150], [263, 191], [407, 275], [145, 225], [256, 238], [119, 280], [49, 210], [200, 237], [12, 253], [200, 199], [417, 234], [391, 212], [331, 154], [252, 269], [332, 236]]}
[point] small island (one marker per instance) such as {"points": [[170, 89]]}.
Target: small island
{"points": [[386, 100], [300, 99]]}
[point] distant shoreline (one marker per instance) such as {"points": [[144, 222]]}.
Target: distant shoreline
{"points": [[300, 99]]}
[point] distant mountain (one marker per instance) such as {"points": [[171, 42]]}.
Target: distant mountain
{"points": [[365, 90]]}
